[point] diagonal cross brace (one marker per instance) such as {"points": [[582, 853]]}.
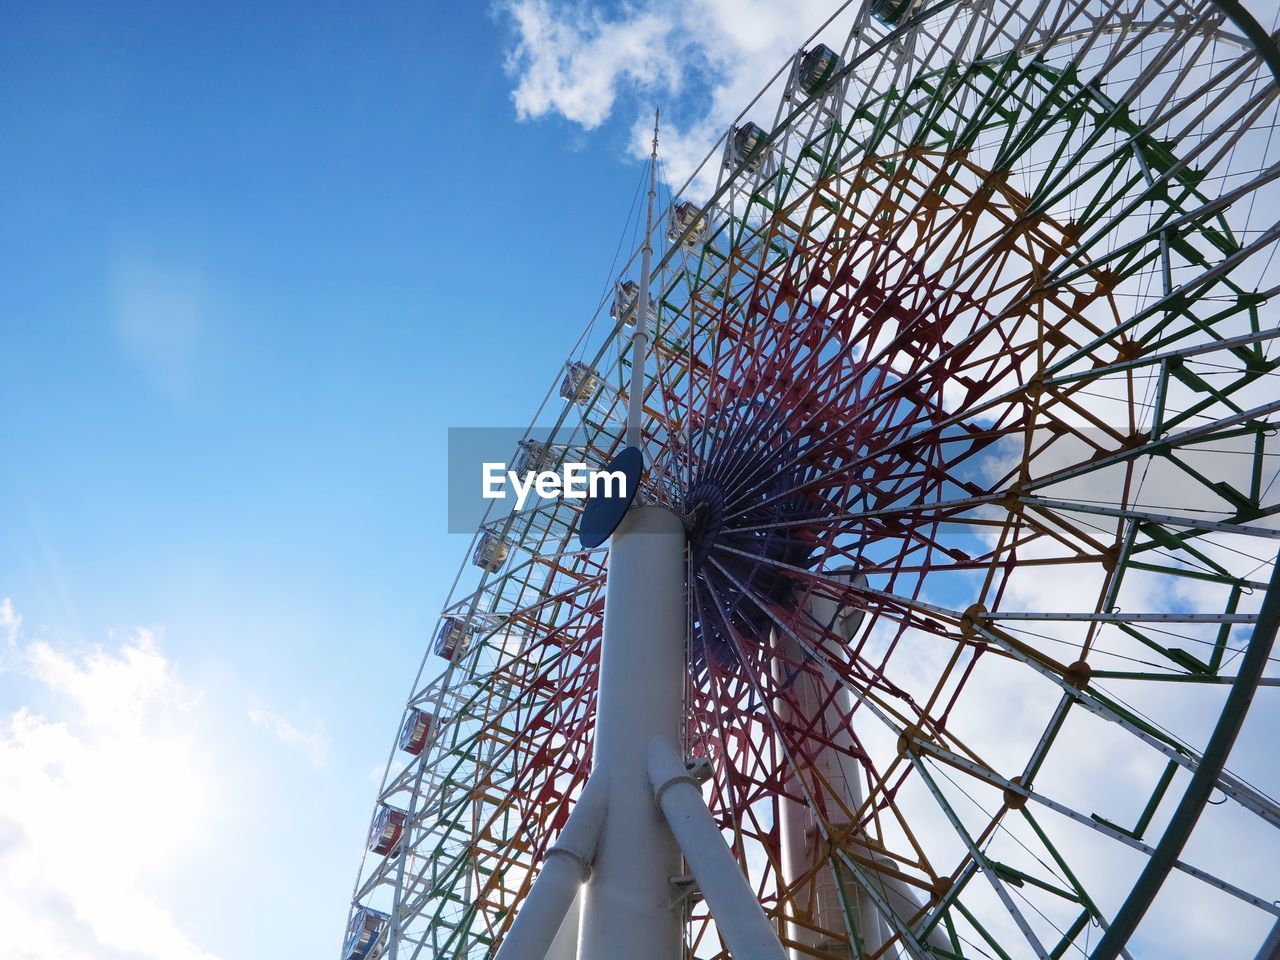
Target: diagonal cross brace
{"points": [[735, 907]]}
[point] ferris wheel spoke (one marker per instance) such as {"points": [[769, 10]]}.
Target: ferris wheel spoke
{"points": [[1174, 301], [1044, 117], [898, 600], [871, 434], [1161, 445], [901, 731], [1070, 616], [866, 881], [1019, 788], [860, 687], [1115, 109], [1195, 524], [981, 860], [897, 426], [1156, 234], [942, 507], [1100, 705], [1048, 664], [835, 473], [1160, 358]]}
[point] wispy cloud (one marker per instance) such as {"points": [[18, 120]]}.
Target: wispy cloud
{"points": [[701, 60], [313, 743], [10, 622], [572, 61], [94, 791], [11, 654], [115, 692]]}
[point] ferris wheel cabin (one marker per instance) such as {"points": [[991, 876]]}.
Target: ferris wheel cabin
{"points": [[453, 638], [580, 382], [746, 145], [688, 225], [890, 12], [491, 552], [387, 829], [363, 933], [818, 65], [415, 732], [534, 456]]}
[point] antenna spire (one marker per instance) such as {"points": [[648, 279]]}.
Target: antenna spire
{"points": [[640, 334]]}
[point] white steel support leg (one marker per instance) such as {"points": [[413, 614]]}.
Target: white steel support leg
{"points": [[801, 847], [733, 904], [542, 916], [627, 908], [843, 777], [565, 945], [904, 900], [793, 821], [1270, 948]]}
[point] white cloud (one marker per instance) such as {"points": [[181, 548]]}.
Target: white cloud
{"points": [[313, 743], [95, 791], [702, 61], [115, 692], [10, 621], [572, 61]]}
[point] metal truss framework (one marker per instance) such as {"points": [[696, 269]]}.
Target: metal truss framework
{"points": [[972, 353]]}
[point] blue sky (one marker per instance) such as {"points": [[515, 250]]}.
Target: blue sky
{"points": [[256, 261]]}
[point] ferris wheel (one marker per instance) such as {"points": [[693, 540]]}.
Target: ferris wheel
{"points": [[950, 577]]}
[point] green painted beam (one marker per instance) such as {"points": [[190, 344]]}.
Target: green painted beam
{"points": [[1203, 782]]}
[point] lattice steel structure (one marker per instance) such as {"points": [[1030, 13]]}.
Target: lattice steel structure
{"points": [[963, 384]]}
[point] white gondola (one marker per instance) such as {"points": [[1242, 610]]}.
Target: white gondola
{"points": [[491, 552], [747, 145], [364, 933], [818, 65], [623, 308], [416, 731], [580, 382], [890, 12], [534, 456], [687, 224], [452, 638], [387, 829]]}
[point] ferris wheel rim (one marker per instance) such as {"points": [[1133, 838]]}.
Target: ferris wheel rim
{"points": [[675, 247]]}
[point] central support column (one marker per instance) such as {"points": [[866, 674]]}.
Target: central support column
{"points": [[627, 912], [842, 775]]}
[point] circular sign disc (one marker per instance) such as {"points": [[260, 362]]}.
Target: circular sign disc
{"points": [[602, 514]]}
